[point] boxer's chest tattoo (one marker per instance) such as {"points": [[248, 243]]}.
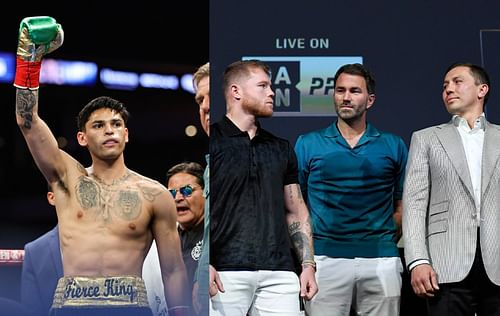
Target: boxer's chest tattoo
{"points": [[108, 201]]}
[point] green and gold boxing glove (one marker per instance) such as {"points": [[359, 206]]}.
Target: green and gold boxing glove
{"points": [[38, 36]]}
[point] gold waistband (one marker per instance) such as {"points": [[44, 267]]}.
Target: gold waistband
{"points": [[116, 291]]}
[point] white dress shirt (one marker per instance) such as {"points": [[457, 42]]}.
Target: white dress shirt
{"points": [[473, 140]]}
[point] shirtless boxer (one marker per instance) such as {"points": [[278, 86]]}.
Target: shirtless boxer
{"points": [[108, 214]]}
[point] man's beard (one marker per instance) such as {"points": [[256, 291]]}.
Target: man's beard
{"points": [[351, 114], [255, 110]]}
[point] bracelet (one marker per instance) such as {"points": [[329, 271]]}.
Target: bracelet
{"points": [[311, 263]]}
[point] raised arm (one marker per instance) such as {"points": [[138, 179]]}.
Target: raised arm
{"points": [[41, 142], [299, 228], [172, 265], [38, 36]]}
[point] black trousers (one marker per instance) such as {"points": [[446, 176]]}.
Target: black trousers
{"points": [[475, 295]]}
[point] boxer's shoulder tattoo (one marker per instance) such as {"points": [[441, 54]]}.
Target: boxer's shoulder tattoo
{"points": [[26, 100], [150, 192], [149, 188]]}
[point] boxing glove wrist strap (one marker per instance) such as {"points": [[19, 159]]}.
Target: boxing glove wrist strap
{"points": [[27, 74]]}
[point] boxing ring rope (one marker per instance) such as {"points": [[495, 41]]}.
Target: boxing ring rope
{"points": [[11, 257]]}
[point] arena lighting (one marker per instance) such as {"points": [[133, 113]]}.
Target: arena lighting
{"points": [[83, 73], [150, 80], [121, 80], [62, 72], [187, 83], [191, 130], [7, 67]]}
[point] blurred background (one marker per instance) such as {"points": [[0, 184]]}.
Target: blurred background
{"points": [[141, 54]]}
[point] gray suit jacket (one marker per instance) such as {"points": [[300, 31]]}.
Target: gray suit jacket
{"points": [[439, 216]]}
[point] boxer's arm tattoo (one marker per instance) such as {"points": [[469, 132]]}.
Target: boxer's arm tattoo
{"points": [[300, 235], [25, 102]]}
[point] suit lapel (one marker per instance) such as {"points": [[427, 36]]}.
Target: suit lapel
{"points": [[55, 251], [491, 153], [452, 144]]}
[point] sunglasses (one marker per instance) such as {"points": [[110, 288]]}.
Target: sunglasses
{"points": [[185, 191]]}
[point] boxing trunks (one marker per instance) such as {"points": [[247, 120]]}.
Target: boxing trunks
{"points": [[107, 296]]}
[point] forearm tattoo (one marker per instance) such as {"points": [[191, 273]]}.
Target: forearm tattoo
{"points": [[291, 191], [300, 236], [25, 102]]}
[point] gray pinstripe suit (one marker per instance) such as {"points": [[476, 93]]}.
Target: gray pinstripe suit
{"points": [[438, 203]]}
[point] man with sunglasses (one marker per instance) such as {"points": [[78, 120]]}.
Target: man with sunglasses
{"points": [[185, 183], [200, 292]]}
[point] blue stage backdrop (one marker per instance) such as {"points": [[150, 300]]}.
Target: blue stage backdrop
{"points": [[407, 45]]}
